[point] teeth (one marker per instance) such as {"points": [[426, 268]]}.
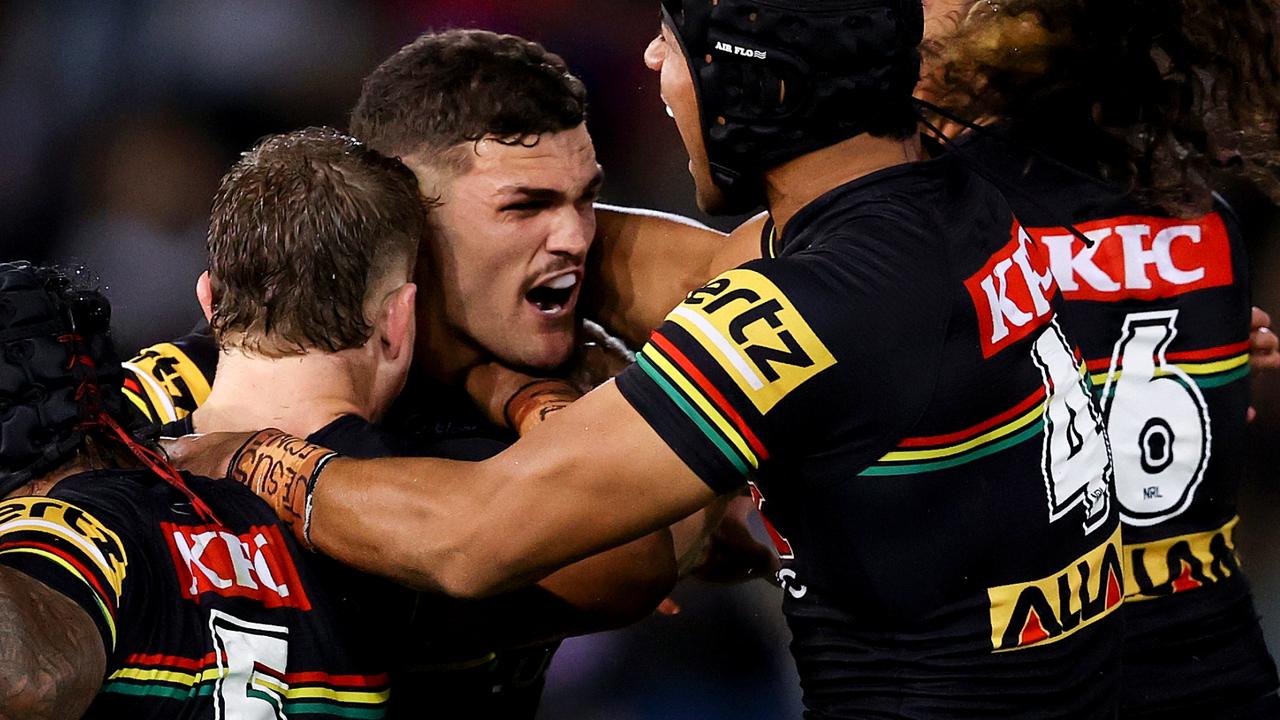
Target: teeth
{"points": [[671, 113], [564, 282]]}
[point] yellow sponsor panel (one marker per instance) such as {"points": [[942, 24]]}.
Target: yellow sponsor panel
{"points": [[1054, 607], [756, 334], [173, 383], [64, 521], [1181, 563]]}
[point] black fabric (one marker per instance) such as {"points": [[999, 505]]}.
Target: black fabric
{"points": [[58, 369], [456, 669], [193, 602], [1194, 644], [929, 501], [777, 80]]}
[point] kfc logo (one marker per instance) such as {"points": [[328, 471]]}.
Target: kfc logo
{"points": [[1012, 293], [1144, 258], [256, 564]]}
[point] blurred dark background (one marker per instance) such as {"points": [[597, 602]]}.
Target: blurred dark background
{"points": [[118, 118]]}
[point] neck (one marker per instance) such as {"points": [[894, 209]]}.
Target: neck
{"points": [[796, 183], [298, 394], [441, 352]]}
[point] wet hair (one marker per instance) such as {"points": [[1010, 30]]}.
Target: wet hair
{"points": [[459, 86], [1170, 97], [303, 227]]}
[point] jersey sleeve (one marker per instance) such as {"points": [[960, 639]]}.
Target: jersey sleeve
{"points": [[826, 350], [168, 381], [72, 551]]}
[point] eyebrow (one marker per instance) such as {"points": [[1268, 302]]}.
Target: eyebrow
{"points": [[540, 193]]}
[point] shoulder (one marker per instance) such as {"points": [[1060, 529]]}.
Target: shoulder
{"points": [[356, 437]]}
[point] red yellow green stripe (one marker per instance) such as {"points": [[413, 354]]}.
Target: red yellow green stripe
{"points": [[357, 697], [1020, 423], [1208, 367], [702, 402]]}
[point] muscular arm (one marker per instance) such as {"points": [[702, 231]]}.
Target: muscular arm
{"points": [[592, 476], [643, 263], [51, 656]]}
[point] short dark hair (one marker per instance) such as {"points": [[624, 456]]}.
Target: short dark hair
{"points": [[302, 227], [456, 86]]}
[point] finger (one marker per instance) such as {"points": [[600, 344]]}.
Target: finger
{"points": [[1259, 318], [668, 607]]}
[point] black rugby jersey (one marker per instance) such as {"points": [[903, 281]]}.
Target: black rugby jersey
{"points": [[199, 619], [917, 429], [1160, 307], [435, 665]]}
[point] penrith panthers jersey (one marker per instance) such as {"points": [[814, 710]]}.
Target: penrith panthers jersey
{"points": [[200, 620], [438, 668], [1160, 308], [895, 385]]}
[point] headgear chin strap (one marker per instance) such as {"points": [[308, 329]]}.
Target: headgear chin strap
{"points": [[776, 79]]}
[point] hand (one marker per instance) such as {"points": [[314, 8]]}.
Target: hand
{"points": [[1264, 347], [733, 554], [207, 455], [512, 399]]}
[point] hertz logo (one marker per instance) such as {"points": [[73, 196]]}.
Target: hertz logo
{"points": [[1049, 609], [72, 525], [755, 333]]}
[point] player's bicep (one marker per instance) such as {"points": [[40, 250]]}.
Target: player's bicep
{"points": [[642, 264], [70, 551], [771, 359], [51, 657]]}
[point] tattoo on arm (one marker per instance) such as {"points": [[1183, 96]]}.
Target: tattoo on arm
{"points": [[51, 655]]}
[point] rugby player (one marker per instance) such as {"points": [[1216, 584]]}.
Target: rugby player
{"points": [[126, 588], [511, 172], [1101, 120], [935, 470]]}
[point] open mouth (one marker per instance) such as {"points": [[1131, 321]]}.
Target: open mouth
{"points": [[554, 295]]}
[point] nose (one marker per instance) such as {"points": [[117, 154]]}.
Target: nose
{"points": [[572, 232], [655, 54]]}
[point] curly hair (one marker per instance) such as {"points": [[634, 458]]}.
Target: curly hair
{"points": [[1171, 97]]}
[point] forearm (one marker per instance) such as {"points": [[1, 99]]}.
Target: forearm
{"points": [[590, 478], [616, 587], [51, 658]]}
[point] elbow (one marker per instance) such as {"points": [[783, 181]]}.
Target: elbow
{"points": [[30, 688], [642, 578]]}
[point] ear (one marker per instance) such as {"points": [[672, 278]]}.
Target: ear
{"points": [[204, 294], [398, 322]]}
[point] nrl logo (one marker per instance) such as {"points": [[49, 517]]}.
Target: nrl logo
{"points": [[741, 51]]}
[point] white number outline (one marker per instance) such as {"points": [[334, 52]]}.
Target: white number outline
{"points": [[1163, 370], [1094, 491], [224, 628]]}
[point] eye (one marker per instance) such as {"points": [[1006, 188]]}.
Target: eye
{"points": [[526, 206]]}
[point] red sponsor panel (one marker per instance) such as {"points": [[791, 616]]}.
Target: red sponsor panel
{"points": [[255, 565], [1012, 293], [1138, 257]]}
